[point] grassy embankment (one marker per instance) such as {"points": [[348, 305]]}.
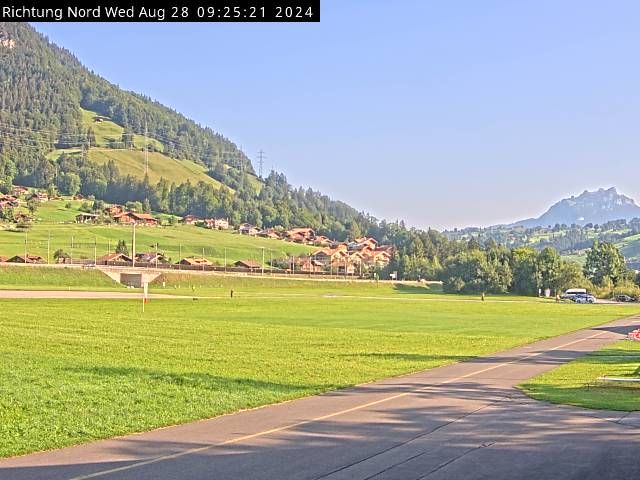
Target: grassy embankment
{"points": [[576, 383]]}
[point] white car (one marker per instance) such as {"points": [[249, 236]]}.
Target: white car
{"points": [[584, 299]]}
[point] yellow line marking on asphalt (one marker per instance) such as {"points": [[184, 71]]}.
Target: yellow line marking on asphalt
{"points": [[317, 419]]}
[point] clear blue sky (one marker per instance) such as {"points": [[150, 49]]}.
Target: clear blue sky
{"points": [[440, 113]]}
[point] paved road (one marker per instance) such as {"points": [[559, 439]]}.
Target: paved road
{"points": [[463, 421]]}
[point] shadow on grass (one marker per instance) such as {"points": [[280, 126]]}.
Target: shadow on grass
{"points": [[195, 379], [408, 357]]}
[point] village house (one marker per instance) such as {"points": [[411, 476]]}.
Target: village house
{"points": [[343, 267], [39, 197], [300, 235], [9, 200], [248, 264], [151, 258], [190, 220], [18, 190], [248, 229], [195, 262], [363, 242], [86, 218], [311, 266], [29, 259], [114, 210], [128, 218], [216, 223], [329, 255], [322, 241], [112, 258], [269, 233]]}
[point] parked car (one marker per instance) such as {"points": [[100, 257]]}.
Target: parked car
{"points": [[584, 298], [571, 293], [624, 298]]}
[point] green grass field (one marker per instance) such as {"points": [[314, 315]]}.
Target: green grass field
{"points": [[76, 370], [132, 162], [576, 383], [107, 130]]}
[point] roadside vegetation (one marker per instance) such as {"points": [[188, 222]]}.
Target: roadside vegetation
{"points": [[578, 382], [76, 370]]}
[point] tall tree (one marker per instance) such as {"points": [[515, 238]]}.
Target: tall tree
{"points": [[605, 263]]}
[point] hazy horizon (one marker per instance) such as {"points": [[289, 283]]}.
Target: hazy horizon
{"points": [[444, 118]]}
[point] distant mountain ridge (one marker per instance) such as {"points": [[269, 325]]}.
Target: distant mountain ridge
{"points": [[595, 207]]}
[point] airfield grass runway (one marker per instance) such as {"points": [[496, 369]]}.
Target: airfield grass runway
{"points": [[76, 370], [459, 421]]}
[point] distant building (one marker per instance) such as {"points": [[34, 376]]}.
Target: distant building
{"points": [[128, 218], [269, 233], [248, 229], [151, 257], [248, 264], [195, 261], [114, 210], [311, 266], [18, 190], [217, 223], [300, 235], [39, 197], [190, 220], [113, 258], [86, 218], [29, 259]]}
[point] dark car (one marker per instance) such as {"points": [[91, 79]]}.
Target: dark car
{"points": [[624, 298]]}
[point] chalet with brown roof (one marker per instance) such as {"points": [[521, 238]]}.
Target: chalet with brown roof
{"points": [[196, 262], [343, 267], [311, 266], [114, 210], [9, 200], [269, 233], [329, 255], [29, 259], [322, 241], [248, 229], [190, 220], [39, 196], [111, 258], [379, 258], [248, 264], [151, 257], [300, 235], [128, 218], [19, 190]]}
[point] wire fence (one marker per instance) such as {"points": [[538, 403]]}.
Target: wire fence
{"points": [[176, 256]]}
